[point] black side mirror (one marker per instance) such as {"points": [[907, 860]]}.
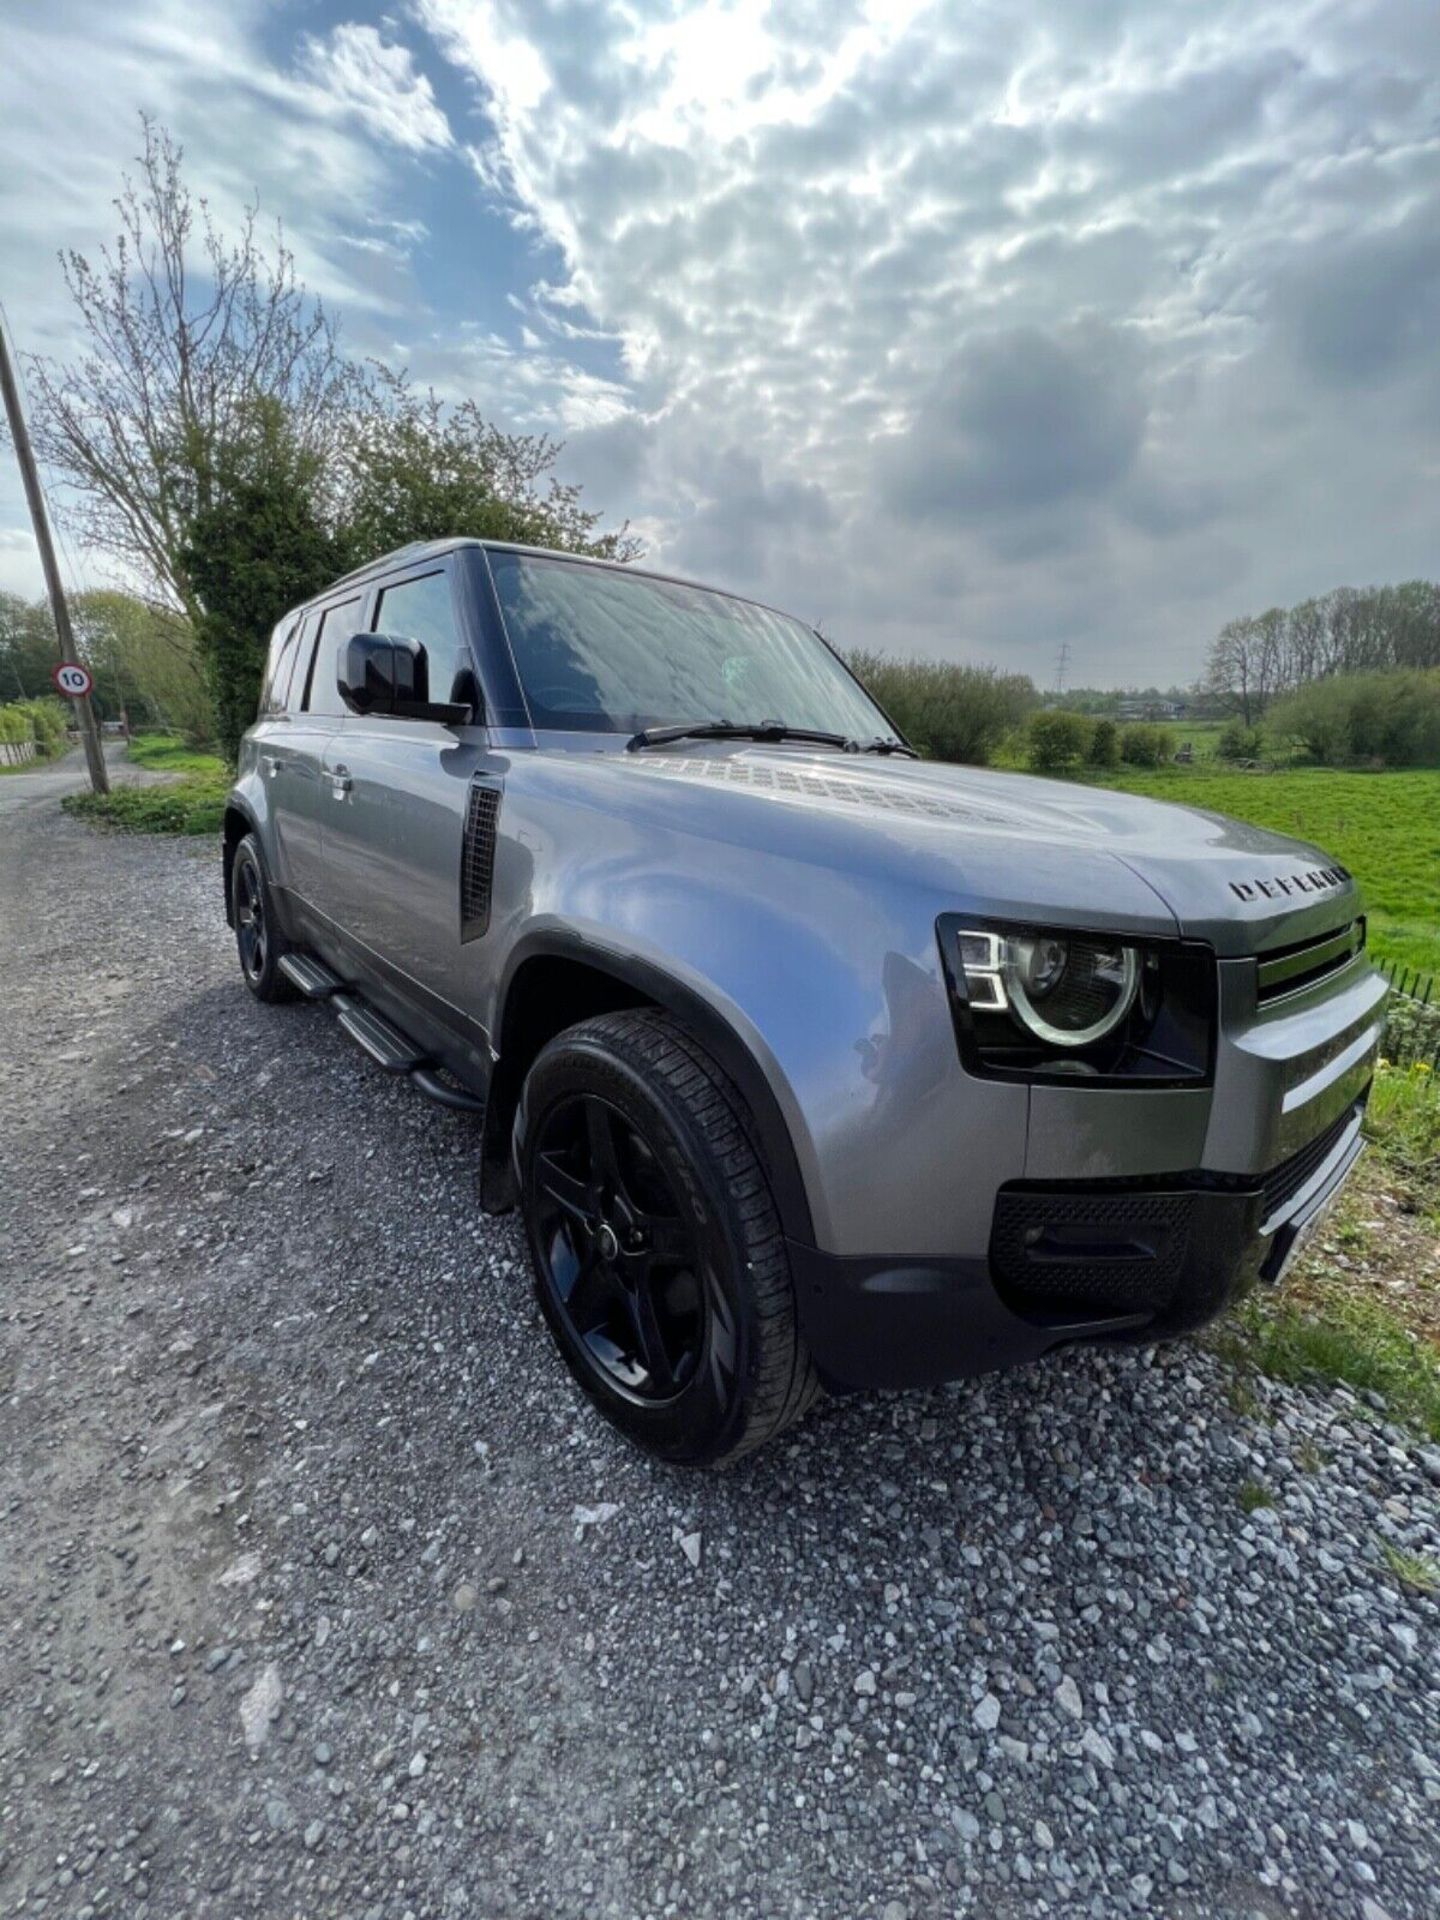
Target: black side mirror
{"points": [[383, 673]]}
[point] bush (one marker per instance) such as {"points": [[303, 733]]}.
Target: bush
{"points": [[49, 722], [1146, 745], [1392, 719], [15, 727], [1057, 741], [947, 711], [1239, 742], [1104, 745]]}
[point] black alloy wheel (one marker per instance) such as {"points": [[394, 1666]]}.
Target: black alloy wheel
{"points": [[659, 1261], [258, 938], [625, 1266]]}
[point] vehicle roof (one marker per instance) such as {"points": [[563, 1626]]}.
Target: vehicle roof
{"points": [[418, 551]]}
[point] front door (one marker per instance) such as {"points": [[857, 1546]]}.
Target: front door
{"points": [[399, 792], [299, 793]]}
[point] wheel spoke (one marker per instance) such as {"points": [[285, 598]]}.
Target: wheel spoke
{"points": [[600, 1136], [591, 1297], [566, 1189], [646, 1323]]}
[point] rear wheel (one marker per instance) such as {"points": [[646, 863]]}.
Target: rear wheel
{"points": [[659, 1260], [258, 938]]}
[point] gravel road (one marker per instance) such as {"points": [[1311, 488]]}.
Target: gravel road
{"points": [[322, 1593], [41, 786]]}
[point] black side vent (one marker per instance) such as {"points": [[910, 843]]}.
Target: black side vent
{"points": [[477, 860]]}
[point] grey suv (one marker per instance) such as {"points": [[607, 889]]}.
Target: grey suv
{"points": [[807, 1063]]}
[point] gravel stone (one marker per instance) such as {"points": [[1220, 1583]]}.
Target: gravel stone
{"points": [[282, 1364]]}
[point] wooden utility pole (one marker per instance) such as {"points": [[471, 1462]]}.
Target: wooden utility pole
{"points": [[24, 453]]}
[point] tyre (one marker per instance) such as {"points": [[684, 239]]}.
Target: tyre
{"points": [[659, 1261], [258, 938]]}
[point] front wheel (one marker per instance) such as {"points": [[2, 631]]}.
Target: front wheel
{"points": [[659, 1260], [258, 939]]}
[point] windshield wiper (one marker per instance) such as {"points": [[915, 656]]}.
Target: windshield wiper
{"points": [[723, 730], [877, 745]]}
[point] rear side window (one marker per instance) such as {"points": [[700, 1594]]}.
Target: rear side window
{"points": [[336, 626], [279, 666], [423, 610]]}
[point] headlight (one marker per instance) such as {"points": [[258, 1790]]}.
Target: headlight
{"points": [[1068, 990], [1043, 1002]]}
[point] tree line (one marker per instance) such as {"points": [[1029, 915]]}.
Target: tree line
{"points": [[1260, 658], [214, 441]]}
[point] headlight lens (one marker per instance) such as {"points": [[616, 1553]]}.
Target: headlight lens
{"points": [[1037, 1001]]}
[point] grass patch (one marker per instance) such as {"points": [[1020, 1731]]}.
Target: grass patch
{"points": [[1340, 1337], [168, 753], [1414, 1570], [1253, 1496], [1403, 1120], [193, 803]]}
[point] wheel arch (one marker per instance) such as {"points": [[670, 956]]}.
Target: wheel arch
{"points": [[237, 823], [555, 980]]}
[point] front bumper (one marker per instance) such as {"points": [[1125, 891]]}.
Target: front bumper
{"points": [[1068, 1261]]}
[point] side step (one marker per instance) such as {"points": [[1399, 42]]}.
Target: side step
{"points": [[311, 976], [386, 1045]]}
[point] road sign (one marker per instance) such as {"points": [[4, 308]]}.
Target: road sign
{"points": [[71, 679]]}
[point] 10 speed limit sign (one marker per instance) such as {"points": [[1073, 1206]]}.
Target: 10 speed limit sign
{"points": [[71, 679]]}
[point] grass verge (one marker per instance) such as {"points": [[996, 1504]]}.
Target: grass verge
{"points": [[1363, 1309], [191, 803]]}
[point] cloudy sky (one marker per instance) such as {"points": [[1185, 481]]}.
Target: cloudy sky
{"points": [[966, 329]]}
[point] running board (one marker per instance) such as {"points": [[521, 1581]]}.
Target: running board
{"points": [[386, 1045], [311, 976]]}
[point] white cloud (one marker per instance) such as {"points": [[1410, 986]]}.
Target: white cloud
{"points": [[377, 82], [1089, 320]]}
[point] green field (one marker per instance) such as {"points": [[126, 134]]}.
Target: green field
{"points": [[1384, 826]]}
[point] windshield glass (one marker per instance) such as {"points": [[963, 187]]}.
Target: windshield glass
{"points": [[615, 652]]}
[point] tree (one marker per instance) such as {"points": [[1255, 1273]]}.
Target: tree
{"points": [[1058, 741], [947, 710], [28, 648], [145, 662], [144, 426], [417, 469], [255, 552], [1104, 749], [217, 445]]}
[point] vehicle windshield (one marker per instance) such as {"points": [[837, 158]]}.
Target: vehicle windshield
{"points": [[611, 652]]}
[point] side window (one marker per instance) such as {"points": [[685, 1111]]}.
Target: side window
{"points": [[304, 657], [336, 626], [423, 610], [279, 665]]}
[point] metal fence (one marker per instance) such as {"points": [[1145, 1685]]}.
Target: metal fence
{"points": [[1412, 1017]]}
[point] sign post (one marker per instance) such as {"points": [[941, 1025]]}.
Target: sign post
{"points": [[35, 499]]}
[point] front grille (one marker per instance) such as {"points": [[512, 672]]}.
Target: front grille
{"points": [[1278, 975], [1089, 1254], [1285, 1181], [477, 861]]}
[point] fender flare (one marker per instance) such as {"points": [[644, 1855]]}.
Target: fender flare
{"points": [[234, 804], [646, 980]]}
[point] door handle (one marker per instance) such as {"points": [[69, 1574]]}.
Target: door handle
{"points": [[340, 781], [273, 763]]}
